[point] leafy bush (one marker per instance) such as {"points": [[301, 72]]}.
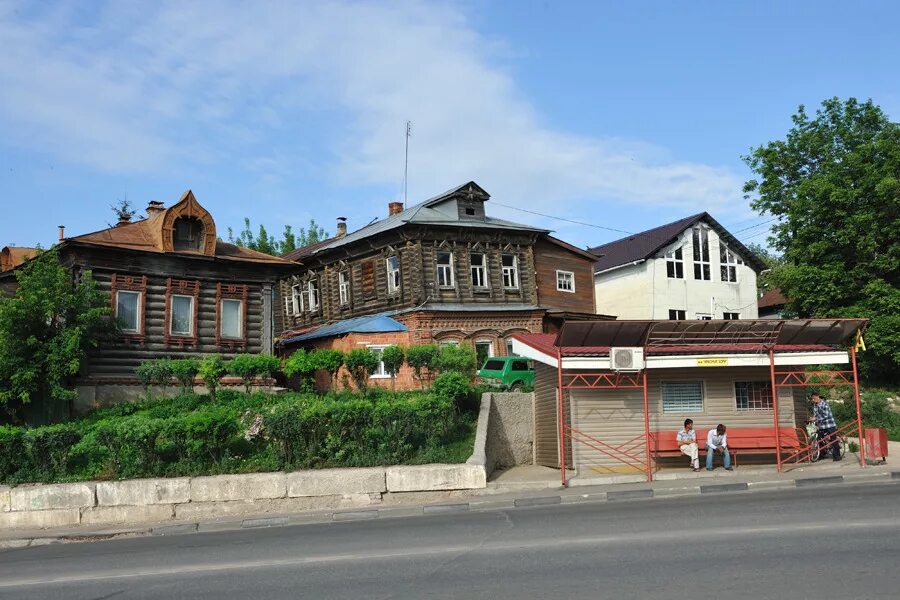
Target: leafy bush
{"points": [[421, 357], [155, 372], [304, 366], [361, 363], [460, 359], [185, 370], [455, 387], [392, 357], [235, 432], [212, 369], [331, 361], [251, 366]]}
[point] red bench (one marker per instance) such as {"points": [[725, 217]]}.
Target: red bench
{"points": [[747, 440]]}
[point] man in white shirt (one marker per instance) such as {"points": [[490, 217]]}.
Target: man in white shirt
{"points": [[687, 443], [717, 441]]}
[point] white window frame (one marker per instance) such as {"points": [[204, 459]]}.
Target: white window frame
{"points": [[728, 264], [702, 264], [137, 311], [380, 372], [393, 275], [748, 408], [678, 317], [297, 299], [735, 316], [344, 287], [447, 268], [509, 347], [312, 295], [681, 410], [490, 345], [675, 259], [703, 316], [560, 280], [510, 273], [479, 272], [191, 323], [240, 321]]}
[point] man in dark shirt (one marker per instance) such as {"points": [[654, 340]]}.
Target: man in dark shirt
{"points": [[825, 424]]}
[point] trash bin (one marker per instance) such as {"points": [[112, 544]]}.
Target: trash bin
{"points": [[876, 443]]}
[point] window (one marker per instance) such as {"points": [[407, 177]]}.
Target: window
{"points": [[379, 372], [753, 395], [510, 265], [445, 270], [312, 295], [344, 287], [128, 311], [701, 254], [704, 316], [565, 281], [484, 349], [470, 212], [479, 270], [676, 315], [182, 319], [188, 234], [393, 274], [231, 325], [675, 264], [494, 365], [509, 348], [297, 299], [731, 316], [682, 396], [520, 365], [729, 263]]}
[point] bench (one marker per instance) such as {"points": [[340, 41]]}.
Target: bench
{"points": [[746, 440]]}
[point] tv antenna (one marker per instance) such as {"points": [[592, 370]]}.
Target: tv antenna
{"points": [[406, 163]]}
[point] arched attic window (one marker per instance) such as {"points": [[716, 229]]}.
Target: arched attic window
{"points": [[187, 234]]}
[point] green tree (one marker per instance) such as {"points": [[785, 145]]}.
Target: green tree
{"points": [[421, 358], [392, 357], [212, 369], [330, 360], [458, 359], [303, 365], [46, 328], [834, 185], [269, 244], [361, 363], [311, 235], [773, 262]]}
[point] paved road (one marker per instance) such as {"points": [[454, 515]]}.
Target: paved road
{"points": [[831, 542]]}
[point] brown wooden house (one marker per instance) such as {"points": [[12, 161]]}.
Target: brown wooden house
{"points": [[441, 271], [176, 290]]}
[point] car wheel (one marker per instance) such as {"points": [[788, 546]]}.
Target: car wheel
{"points": [[516, 387]]}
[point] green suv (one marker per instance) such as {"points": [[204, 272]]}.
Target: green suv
{"points": [[512, 373]]}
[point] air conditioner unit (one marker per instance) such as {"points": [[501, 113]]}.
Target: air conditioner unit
{"points": [[626, 359]]}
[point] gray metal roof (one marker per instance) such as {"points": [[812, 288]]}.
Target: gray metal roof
{"points": [[424, 214]]}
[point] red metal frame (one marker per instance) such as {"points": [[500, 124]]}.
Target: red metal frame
{"points": [[600, 381], [823, 378]]}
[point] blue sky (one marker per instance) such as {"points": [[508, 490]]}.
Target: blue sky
{"points": [[624, 115]]}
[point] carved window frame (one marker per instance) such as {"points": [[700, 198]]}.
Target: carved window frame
{"points": [[182, 287], [232, 291], [130, 283]]}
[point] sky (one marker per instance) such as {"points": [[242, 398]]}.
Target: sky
{"points": [[620, 115]]}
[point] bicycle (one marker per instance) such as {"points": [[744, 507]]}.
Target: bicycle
{"points": [[818, 447]]}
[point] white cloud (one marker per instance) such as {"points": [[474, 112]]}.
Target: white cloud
{"points": [[133, 88]]}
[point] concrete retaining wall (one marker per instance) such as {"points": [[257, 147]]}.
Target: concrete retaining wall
{"points": [[510, 433], [222, 496]]}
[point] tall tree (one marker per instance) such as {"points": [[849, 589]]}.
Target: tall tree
{"points": [[834, 184], [772, 261], [46, 329], [269, 244]]}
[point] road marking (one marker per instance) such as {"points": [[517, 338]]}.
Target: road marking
{"points": [[672, 536]]}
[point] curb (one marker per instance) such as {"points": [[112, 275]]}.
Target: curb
{"points": [[474, 505]]}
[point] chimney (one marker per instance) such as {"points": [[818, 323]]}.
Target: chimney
{"points": [[123, 220], [341, 227], [62, 232], [154, 206], [394, 208]]}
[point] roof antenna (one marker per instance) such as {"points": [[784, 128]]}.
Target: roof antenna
{"points": [[406, 163]]}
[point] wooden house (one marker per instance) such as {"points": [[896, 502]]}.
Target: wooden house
{"points": [[176, 290], [441, 271]]}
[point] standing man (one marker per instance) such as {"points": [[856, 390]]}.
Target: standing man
{"points": [[687, 443], [825, 424], [717, 441]]}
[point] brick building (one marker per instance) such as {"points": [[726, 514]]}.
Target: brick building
{"points": [[442, 272]]}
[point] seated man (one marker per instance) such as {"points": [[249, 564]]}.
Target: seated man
{"points": [[826, 426], [687, 443], [717, 441]]}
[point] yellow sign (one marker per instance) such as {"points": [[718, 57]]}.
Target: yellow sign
{"points": [[718, 361], [860, 342]]}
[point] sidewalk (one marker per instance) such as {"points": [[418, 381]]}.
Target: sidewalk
{"points": [[517, 488]]}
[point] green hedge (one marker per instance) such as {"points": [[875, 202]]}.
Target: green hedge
{"points": [[239, 433]]}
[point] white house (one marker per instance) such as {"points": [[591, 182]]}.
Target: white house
{"points": [[690, 269]]}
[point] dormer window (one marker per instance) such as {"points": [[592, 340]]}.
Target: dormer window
{"points": [[188, 234]]}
